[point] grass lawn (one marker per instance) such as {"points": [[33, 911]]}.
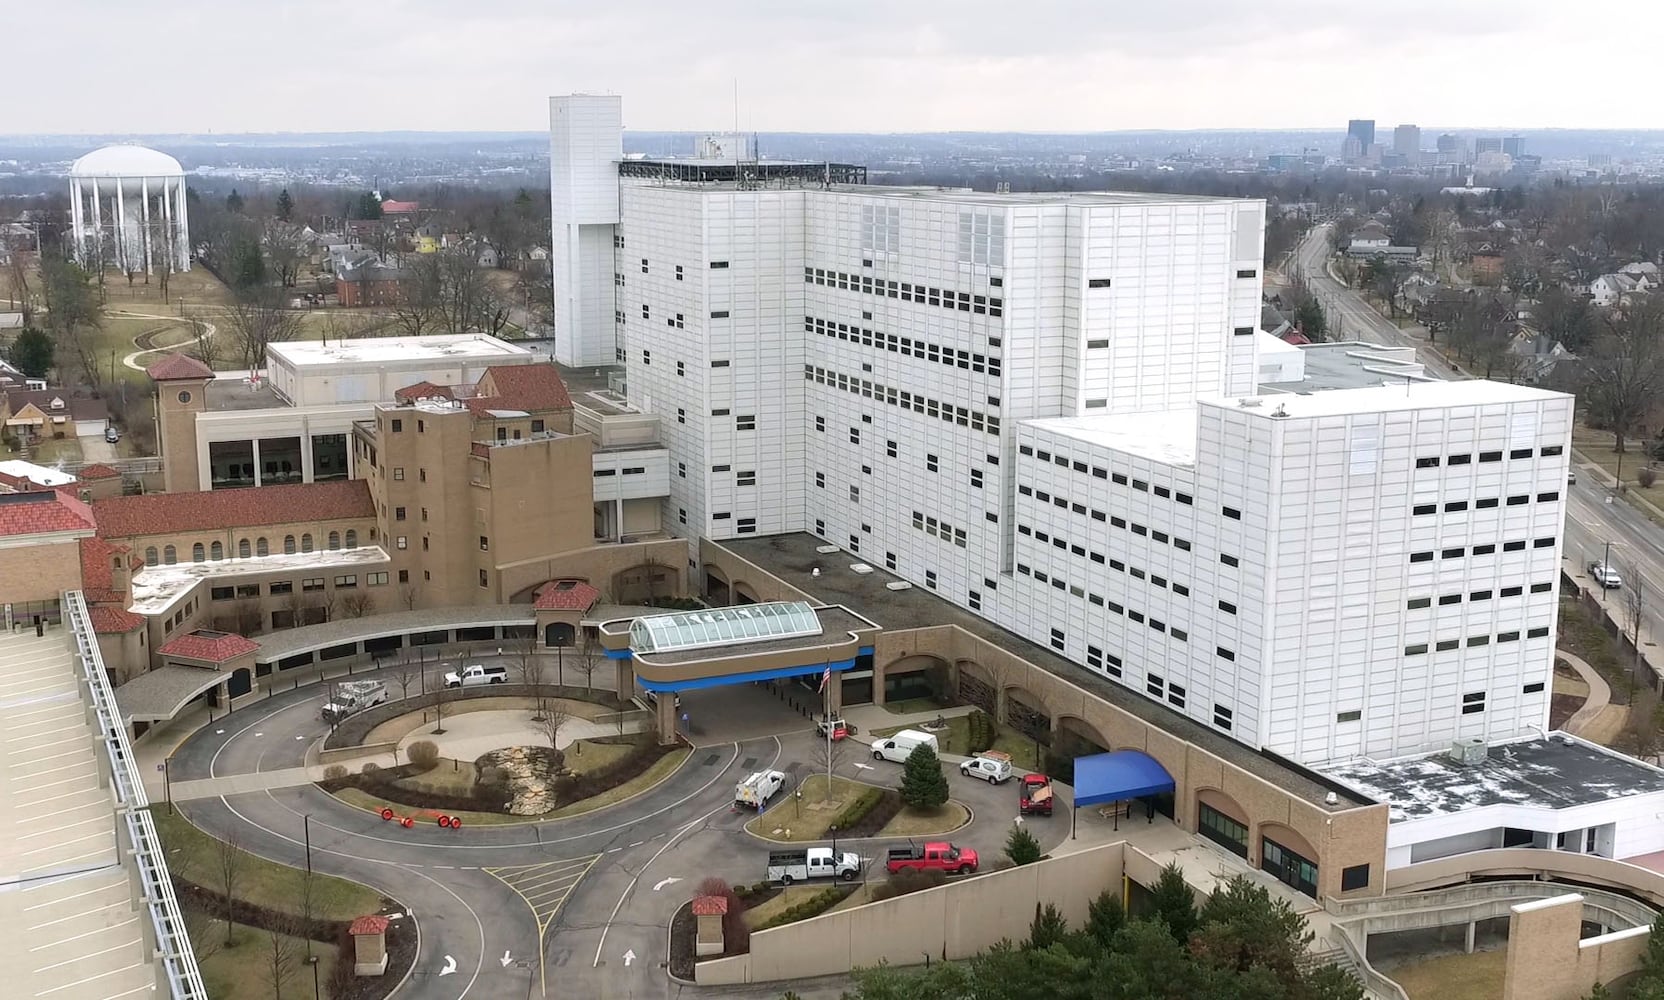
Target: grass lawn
{"points": [[791, 821], [661, 769], [956, 737], [1454, 977], [244, 970], [786, 898], [48, 451], [1583, 636], [195, 856]]}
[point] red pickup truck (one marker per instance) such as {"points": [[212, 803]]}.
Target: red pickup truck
{"points": [[936, 854], [1035, 796]]}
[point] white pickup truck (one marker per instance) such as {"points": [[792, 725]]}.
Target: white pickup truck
{"points": [[475, 675], [755, 791], [787, 867]]}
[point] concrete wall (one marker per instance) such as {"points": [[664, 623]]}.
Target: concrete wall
{"points": [[1528, 862], [949, 922], [31, 570], [1547, 961]]}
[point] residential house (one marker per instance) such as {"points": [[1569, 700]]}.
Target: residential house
{"points": [[363, 279], [1611, 289], [37, 414]]}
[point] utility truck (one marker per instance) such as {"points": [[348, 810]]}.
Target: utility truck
{"points": [[353, 696], [787, 867], [755, 791]]}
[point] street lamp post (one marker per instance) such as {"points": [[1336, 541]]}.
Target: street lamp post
{"points": [[167, 782], [313, 961], [306, 827]]}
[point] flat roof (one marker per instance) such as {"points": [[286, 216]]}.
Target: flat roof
{"points": [[38, 474], [793, 558], [72, 929], [710, 176], [393, 350], [290, 641], [1557, 772], [1353, 365], [1166, 436], [155, 588], [836, 624], [1392, 398], [157, 695], [226, 393]]}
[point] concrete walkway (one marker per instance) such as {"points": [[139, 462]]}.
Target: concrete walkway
{"points": [[471, 734], [870, 717], [1585, 721]]}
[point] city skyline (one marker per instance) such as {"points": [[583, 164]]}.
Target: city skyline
{"points": [[1070, 69]]}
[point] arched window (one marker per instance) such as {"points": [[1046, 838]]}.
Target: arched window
{"points": [[151, 558], [198, 553], [261, 548], [216, 552], [170, 555], [352, 539], [288, 545], [306, 542], [244, 550], [334, 540]]}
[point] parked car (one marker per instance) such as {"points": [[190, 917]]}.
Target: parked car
{"points": [[992, 766], [1035, 795], [937, 854], [112, 435], [353, 696], [899, 747], [755, 791], [787, 867], [1605, 575], [475, 675], [1571, 478]]}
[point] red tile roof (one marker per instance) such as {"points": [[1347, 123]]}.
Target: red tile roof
{"points": [[369, 925], [391, 207], [42, 512], [710, 906], [423, 390], [176, 366], [210, 646], [566, 595], [111, 620], [97, 576], [533, 388], [91, 472], [254, 506]]}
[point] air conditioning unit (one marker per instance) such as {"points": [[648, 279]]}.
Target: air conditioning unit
{"points": [[861, 568], [898, 585], [826, 550], [1469, 751]]}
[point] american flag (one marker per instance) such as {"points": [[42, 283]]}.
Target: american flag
{"points": [[825, 678]]}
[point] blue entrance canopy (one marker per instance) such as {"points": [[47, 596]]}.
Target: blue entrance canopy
{"points": [[1115, 777]]}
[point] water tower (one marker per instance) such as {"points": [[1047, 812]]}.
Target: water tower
{"points": [[127, 209]]}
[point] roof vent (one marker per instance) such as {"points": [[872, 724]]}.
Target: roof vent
{"points": [[1331, 799], [815, 572], [1249, 402], [826, 550], [1468, 751], [898, 585], [1280, 411], [861, 568]]}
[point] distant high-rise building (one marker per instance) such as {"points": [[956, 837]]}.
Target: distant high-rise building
{"points": [[1514, 145], [1490, 145], [1406, 140], [1599, 160], [1363, 130], [1449, 143]]}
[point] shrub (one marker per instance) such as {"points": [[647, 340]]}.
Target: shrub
{"points": [[758, 888], [909, 880], [857, 810], [923, 785], [814, 906], [369, 770], [1021, 847], [1646, 476], [982, 732], [423, 753], [335, 772]]}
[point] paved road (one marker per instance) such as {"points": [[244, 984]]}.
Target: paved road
{"points": [[1358, 319], [602, 886], [1595, 518]]}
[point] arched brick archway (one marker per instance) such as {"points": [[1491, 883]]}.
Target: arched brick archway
{"points": [[560, 634], [242, 682], [645, 582], [917, 675], [974, 686], [1027, 713], [715, 585], [1074, 731], [1222, 819], [744, 593], [1288, 856]]}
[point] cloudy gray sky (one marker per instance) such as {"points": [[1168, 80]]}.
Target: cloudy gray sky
{"points": [[827, 65]]}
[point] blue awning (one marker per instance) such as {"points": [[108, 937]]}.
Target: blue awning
{"points": [[1115, 777]]}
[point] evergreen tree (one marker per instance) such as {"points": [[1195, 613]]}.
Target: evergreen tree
{"points": [[1105, 917], [369, 206], [1174, 903], [1310, 316], [234, 202], [285, 205], [1021, 847], [1047, 929], [248, 267], [31, 352], [923, 785]]}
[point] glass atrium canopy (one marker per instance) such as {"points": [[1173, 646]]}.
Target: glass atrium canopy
{"points": [[723, 626]]}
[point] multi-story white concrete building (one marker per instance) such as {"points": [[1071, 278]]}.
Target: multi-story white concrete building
{"points": [[1042, 407]]}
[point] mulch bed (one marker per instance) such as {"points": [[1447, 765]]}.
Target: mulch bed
{"points": [[1562, 707], [888, 807], [683, 929]]}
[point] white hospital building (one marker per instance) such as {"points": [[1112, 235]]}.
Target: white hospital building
{"points": [[1048, 409]]}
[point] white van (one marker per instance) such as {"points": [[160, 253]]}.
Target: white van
{"points": [[899, 747]]}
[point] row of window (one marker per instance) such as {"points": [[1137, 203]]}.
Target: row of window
{"points": [[1417, 603], [906, 291], [1099, 472], [1099, 558], [1138, 617], [938, 529], [1472, 641], [1115, 521], [1434, 461], [1483, 549], [308, 585], [974, 419], [632, 470], [905, 346], [1484, 503], [215, 551]]}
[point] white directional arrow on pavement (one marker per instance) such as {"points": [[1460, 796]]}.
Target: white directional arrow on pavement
{"points": [[664, 882], [1018, 820], [506, 959], [629, 956], [864, 767], [450, 966]]}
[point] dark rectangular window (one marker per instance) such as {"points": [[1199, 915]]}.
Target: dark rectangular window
{"points": [[1097, 282], [1233, 513], [1354, 877], [717, 265], [719, 314], [1534, 687], [1228, 560], [1243, 331], [1248, 273], [1427, 463]]}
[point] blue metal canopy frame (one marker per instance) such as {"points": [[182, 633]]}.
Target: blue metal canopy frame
{"points": [[1118, 776]]}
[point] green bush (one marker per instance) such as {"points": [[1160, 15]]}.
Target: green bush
{"points": [[1021, 847], [814, 906], [909, 880], [758, 888], [335, 772], [858, 810], [982, 732], [424, 754]]}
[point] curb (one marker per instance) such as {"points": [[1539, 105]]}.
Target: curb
{"points": [[673, 977]]}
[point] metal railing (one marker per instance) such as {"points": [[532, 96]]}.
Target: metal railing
{"points": [[173, 944]]}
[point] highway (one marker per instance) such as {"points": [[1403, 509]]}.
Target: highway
{"points": [[1594, 517]]}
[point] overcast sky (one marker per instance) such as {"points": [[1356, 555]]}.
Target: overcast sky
{"points": [[82, 66]]}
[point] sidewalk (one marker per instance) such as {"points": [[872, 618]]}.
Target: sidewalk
{"points": [[1586, 721]]}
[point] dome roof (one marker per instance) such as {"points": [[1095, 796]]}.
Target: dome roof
{"points": [[126, 160]]}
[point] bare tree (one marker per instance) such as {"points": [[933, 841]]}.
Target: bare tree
{"points": [[229, 862], [523, 650], [73, 313], [249, 617], [329, 603], [256, 318], [284, 950], [409, 595], [829, 755], [588, 657], [551, 715], [441, 694], [1635, 606], [358, 603], [295, 603], [17, 286], [1642, 728], [404, 675], [1624, 369], [285, 249]]}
